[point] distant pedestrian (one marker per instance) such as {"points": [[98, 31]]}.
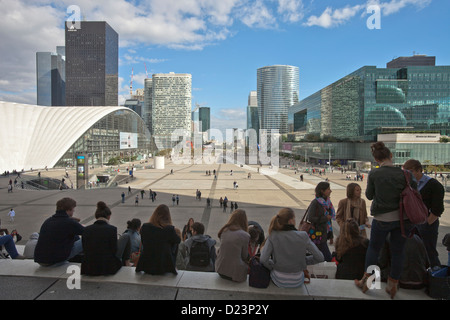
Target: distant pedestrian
{"points": [[173, 200], [301, 178], [11, 215], [221, 202], [123, 197], [142, 194], [231, 206], [136, 201], [235, 206], [178, 199], [129, 189], [208, 202]]}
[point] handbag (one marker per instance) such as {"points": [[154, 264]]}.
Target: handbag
{"points": [[258, 275], [439, 283], [305, 225], [412, 205]]}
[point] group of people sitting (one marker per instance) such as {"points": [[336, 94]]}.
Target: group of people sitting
{"points": [[158, 247]]}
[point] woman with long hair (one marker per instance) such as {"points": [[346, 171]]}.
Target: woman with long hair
{"points": [[159, 243], [284, 252], [320, 214], [353, 207], [351, 249], [232, 257], [384, 187]]}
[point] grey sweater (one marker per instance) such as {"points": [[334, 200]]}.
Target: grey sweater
{"points": [[285, 251]]}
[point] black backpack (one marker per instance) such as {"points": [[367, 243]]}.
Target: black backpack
{"points": [[199, 254]]}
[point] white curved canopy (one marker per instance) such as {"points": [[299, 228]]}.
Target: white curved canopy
{"points": [[36, 136]]}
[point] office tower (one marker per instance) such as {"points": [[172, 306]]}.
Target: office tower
{"points": [[374, 100], [204, 116], [415, 60], [135, 105], [147, 109], [171, 106], [51, 78], [277, 90], [92, 65], [252, 111]]}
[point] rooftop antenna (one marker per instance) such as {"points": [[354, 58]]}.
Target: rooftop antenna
{"points": [[131, 83]]}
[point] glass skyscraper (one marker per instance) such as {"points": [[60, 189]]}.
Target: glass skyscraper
{"points": [[51, 78], [372, 100], [277, 90], [92, 55]]}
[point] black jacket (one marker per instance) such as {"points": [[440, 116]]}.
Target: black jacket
{"points": [[433, 196], [100, 248], [159, 249], [56, 238]]}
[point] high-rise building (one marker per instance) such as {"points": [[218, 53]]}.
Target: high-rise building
{"points": [[252, 111], [92, 54], [415, 60], [374, 100], [171, 106], [204, 116], [277, 90], [147, 109], [51, 78]]}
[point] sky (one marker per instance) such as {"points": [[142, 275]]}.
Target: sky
{"points": [[222, 43]]}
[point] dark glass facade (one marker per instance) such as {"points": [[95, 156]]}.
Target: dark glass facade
{"points": [[371, 100], [92, 54], [204, 115], [50, 78]]}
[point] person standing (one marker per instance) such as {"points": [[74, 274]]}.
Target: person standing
{"points": [[11, 215], [320, 213], [178, 199], [123, 197], [432, 193], [384, 187]]}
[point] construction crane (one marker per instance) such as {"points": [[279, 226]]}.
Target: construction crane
{"points": [[197, 106], [131, 83], [146, 73]]}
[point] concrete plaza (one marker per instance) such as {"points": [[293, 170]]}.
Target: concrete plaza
{"points": [[260, 195]]}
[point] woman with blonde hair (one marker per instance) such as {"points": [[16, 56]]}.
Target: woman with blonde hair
{"points": [[159, 243], [353, 207], [232, 257], [284, 252], [351, 248]]}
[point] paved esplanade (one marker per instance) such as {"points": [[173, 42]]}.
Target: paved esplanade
{"points": [[261, 196]]}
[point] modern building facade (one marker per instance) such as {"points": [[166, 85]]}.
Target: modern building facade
{"points": [[277, 90], [204, 117], [39, 137], [373, 100], [92, 55], [171, 107], [147, 103], [415, 60], [51, 77]]}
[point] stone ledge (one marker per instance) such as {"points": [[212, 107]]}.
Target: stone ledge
{"points": [[187, 285]]}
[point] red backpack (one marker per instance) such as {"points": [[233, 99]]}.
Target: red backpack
{"points": [[412, 205]]}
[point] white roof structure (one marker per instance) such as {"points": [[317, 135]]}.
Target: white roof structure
{"points": [[36, 136]]}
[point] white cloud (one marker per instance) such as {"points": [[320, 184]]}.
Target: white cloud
{"points": [[393, 6], [334, 17], [291, 10], [257, 15], [331, 18]]}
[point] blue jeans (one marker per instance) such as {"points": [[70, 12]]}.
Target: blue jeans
{"points": [[9, 244], [378, 235]]}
